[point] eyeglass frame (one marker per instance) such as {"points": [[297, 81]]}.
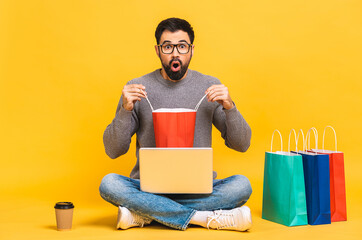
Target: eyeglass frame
{"points": [[175, 46]]}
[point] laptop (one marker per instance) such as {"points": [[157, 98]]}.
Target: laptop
{"points": [[176, 170]]}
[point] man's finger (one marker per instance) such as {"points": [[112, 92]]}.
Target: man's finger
{"points": [[135, 90], [212, 95], [137, 95], [218, 90], [136, 86], [211, 99], [221, 97], [214, 87], [134, 98], [214, 92]]}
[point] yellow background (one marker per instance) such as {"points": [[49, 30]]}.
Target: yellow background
{"points": [[63, 64]]}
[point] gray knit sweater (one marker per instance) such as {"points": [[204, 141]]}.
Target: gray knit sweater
{"points": [[163, 93]]}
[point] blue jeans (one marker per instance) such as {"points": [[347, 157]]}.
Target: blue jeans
{"points": [[174, 210]]}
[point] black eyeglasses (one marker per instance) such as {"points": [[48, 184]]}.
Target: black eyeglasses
{"points": [[182, 48]]}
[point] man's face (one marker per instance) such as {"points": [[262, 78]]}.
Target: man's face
{"points": [[175, 64]]}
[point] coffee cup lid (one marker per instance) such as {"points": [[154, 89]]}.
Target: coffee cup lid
{"points": [[64, 205]]}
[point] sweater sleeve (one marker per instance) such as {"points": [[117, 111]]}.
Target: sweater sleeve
{"points": [[118, 134], [233, 127]]}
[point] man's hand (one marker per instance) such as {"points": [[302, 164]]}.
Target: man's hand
{"points": [[220, 93], [132, 93]]}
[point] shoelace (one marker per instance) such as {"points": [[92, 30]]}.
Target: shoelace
{"points": [[223, 219], [138, 220]]}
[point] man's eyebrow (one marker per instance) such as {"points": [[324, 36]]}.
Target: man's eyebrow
{"points": [[166, 41]]}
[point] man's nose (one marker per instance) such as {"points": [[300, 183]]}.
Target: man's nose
{"points": [[175, 53]]}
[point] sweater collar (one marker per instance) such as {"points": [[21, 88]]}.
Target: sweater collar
{"points": [[170, 83]]}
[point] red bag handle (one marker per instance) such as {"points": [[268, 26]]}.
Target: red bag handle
{"points": [[335, 137]]}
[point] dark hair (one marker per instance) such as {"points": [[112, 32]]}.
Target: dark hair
{"points": [[173, 25]]}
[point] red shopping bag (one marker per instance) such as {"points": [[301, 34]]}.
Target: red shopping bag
{"points": [[174, 127], [337, 180]]}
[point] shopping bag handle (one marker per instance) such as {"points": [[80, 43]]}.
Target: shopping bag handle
{"points": [[281, 141], [147, 100], [295, 138], [335, 138], [301, 131], [199, 103], [197, 106], [307, 137]]}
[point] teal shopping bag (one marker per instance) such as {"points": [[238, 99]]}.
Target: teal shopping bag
{"points": [[284, 198]]}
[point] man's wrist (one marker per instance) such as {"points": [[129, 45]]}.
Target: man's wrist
{"points": [[232, 105], [128, 110]]}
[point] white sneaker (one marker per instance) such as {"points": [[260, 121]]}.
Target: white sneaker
{"points": [[127, 219], [238, 219]]}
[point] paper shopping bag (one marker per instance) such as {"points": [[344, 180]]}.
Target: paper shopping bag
{"points": [[284, 199], [316, 178], [337, 180], [174, 127]]}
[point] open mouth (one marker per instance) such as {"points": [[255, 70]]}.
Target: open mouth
{"points": [[175, 66]]}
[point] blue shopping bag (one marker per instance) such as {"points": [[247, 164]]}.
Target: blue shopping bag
{"points": [[317, 186]]}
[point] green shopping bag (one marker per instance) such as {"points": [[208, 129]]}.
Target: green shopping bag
{"points": [[284, 198]]}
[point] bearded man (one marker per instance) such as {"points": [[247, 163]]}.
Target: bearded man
{"points": [[174, 85]]}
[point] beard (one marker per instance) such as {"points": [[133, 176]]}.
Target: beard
{"points": [[176, 76]]}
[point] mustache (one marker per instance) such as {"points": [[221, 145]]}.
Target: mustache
{"points": [[175, 60]]}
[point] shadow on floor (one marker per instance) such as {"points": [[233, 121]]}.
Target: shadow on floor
{"points": [[110, 222], [104, 222], [257, 212], [51, 227]]}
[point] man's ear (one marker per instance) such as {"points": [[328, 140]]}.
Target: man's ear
{"points": [[157, 52], [192, 50]]}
